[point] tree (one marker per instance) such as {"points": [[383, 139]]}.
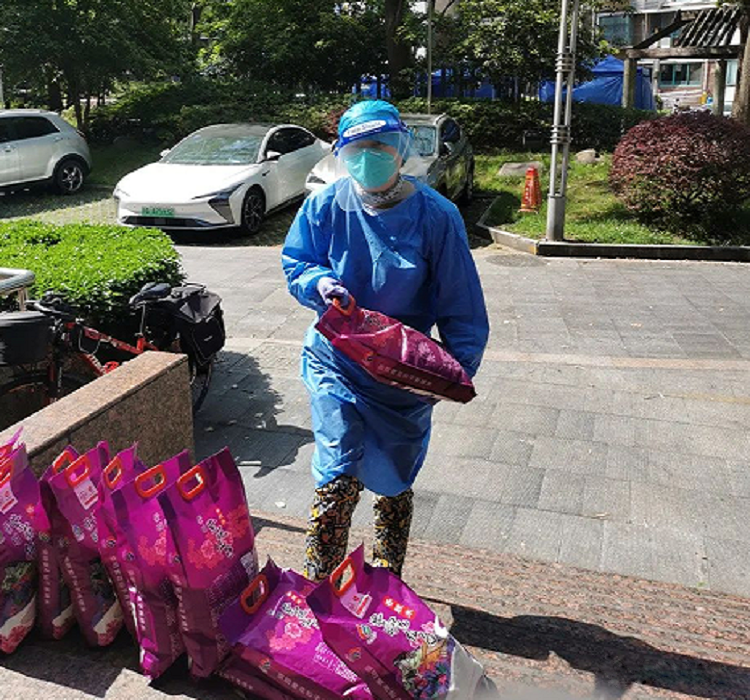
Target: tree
{"points": [[78, 48], [741, 105]]}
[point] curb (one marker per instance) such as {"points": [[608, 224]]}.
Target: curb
{"points": [[562, 249]]}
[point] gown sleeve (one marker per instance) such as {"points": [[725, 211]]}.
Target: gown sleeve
{"points": [[461, 312], [304, 257]]}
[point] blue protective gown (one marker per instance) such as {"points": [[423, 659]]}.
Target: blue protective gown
{"points": [[411, 262]]}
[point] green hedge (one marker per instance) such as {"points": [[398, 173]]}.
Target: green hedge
{"points": [[96, 267], [169, 111]]}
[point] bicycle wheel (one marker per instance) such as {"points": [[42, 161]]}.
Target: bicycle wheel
{"points": [[200, 378], [30, 392]]}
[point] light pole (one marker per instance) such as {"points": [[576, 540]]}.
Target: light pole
{"points": [[565, 69], [430, 12]]}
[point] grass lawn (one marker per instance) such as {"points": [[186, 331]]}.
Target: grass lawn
{"points": [[593, 213], [111, 162]]}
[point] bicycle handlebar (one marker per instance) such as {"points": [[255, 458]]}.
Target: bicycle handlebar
{"points": [[53, 305]]}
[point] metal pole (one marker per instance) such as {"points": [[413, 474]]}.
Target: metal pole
{"points": [[565, 68], [2, 96], [430, 9]]}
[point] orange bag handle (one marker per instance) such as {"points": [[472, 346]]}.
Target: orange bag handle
{"points": [[159, 475], [63, 460], [259, 582], [338, 575], [5, 477], [71, 477], [112, 473], [196, 473], [349, 310]]}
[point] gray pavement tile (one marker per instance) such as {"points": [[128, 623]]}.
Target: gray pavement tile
{"points": [[626, 550], [666, 506], [280, 491], [469, 478], [425, 504], [739, 478], [510, 447], [561, 492], [576, 425], [695, 439], [726, 517], [449, 441], [263, 448], [606, 498], [488, 526], [581, 541], [679, 557], [727, 566], [520, 486], [624, 462], [615, 430], [704, 345], [535, 534], [576, 456], [449, 517], [523, 418], [695, 472]]}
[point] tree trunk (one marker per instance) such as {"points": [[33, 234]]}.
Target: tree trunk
{"points": [[54, 95], [741, 105], [399, 53]]}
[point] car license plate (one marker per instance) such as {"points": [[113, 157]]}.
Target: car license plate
{"points": [[163, 212]]}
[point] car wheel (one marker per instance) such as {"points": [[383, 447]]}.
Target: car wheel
{"points": [[468, 193], [69, 176], [253, 211]]}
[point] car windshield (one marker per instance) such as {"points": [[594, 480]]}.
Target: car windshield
{"points": [[425, 138], [236, 144]]}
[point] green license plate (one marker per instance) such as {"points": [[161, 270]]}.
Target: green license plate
{"points": [[163, 212]]}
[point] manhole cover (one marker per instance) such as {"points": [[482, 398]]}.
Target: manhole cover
{"points": [[516, 260]]}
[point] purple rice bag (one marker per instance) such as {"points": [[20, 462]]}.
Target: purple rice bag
{"points": [[55, 604], [112, 541], [274, 633], [242, 676], [146, 554], [215, 545], [95, 604], [20, 517], [390, 637]]}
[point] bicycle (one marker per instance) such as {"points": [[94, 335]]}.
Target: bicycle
{"points": [[68, 340]]}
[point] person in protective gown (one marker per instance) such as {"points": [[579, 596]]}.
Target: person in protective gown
{"points": [[399, 247]]}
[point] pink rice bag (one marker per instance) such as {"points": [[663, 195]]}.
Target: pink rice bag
{"points": [[55, 604], [390, 637], [20, 514], [112, 541], [210, 523], [146, 555], [95, 604], [395, 354], [273, 632]]}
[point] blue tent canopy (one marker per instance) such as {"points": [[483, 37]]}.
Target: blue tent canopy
{"points": [[606, 86]]}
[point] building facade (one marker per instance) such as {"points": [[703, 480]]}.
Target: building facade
{"points": [[676, 82]]}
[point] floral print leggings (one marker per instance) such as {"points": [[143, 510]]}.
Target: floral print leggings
{"points": [[330, 520]]}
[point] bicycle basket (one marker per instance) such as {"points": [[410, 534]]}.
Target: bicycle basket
{"points": [[198, 318], [25, 337]]}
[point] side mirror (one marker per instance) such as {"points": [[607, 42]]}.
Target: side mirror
{"points": [[164, 152], [272, 155], [446, 148]]}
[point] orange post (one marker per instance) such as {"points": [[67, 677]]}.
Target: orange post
{"points": [[532, 193]]}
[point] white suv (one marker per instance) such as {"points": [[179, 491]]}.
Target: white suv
{"points": [[38, 146]]}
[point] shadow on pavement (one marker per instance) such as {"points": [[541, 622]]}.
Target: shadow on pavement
{"points": [[616, 662], [243, 411]]}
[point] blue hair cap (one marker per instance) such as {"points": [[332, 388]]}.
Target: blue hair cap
{"points": [[367, 119]]}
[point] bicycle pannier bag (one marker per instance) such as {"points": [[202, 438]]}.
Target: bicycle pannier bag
{"points": [[198, 318]]}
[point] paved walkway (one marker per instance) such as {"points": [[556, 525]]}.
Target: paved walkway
{"points": [[610, 431]]}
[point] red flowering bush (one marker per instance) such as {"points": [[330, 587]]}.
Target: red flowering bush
{"points": [[688, 172]]}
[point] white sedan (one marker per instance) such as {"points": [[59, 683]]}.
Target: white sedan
{"points": [[221, 176]]}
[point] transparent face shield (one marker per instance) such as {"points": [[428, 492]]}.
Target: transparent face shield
{"points": [[368, 169]]}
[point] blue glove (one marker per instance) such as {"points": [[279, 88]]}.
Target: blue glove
{"points": [[330, 289]]}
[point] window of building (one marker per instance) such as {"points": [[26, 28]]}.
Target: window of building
{"points": [[681, 75], [732, 73], [617, 29]]}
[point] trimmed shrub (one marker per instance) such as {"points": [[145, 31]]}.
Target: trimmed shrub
{"points": [[96, 268], [687, 172], [170, 111]]}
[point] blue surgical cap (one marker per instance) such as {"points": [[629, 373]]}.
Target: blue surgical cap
{"points": [[367, 119]]}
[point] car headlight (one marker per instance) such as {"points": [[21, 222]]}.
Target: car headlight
{"points": [[221, 195], [315, 180], [119, 193]]}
